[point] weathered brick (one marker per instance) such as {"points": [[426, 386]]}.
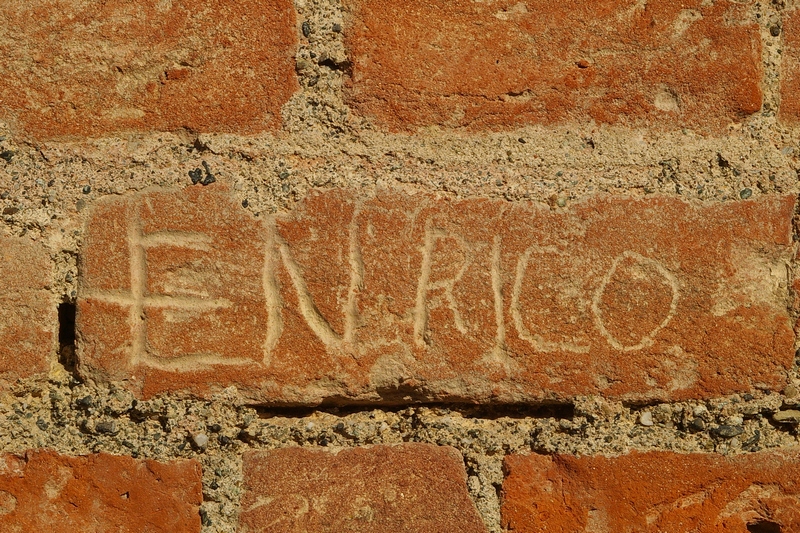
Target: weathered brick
{"points": [[418, 488], [89, 68], [28, 318], [507, 63], [653, 492], [171, 289], [398, 297], [790, 69], [45, 491]]}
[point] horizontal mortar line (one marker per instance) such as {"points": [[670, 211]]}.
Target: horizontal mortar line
{"points": [[181, 239], [124, 299]]}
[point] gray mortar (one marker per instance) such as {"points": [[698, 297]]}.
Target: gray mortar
{"points": [[47, 189]]}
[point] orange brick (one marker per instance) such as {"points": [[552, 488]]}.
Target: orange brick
{"points": [[45, 491], [790, 69], [28, 316], [507, 63], [417, 488], [398, 297], [653, 492], [90, 68], [171, 285]]}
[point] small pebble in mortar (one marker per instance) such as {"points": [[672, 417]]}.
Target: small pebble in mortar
{"points": [[200, 440]]}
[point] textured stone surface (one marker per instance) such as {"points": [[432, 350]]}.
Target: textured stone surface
{"points": [[401, 297], [653, 492], [44, 491], [502, 64], [89, 68], [28, 317], [415, 488]]}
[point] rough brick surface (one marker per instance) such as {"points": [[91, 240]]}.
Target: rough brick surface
{"points": [[502, 64], [402, 297], [171, 287], [790, 69], [653, 492], [88, 68], [414, 488], [44, 491], [28, 318]]}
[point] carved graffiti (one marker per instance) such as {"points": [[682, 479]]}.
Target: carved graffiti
{"points": [[426, 285], [445, 257], [646, 340], [138, 300], [398, 293], [539, 343]]}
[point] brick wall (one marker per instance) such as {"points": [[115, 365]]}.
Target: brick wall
{"points": [[397, 266]]}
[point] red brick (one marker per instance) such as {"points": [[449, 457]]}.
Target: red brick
{"points": [[397, 297], [653, 492], [90, 67], [790, 69], [415, 488], [507, 63], [45, 491], [28, 318], [171, 287]]}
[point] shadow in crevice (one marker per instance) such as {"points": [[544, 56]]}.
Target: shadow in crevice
{"points": [[490, 412], [764, 526], [66, 336]]}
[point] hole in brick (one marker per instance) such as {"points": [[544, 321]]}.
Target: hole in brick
{"points": [[66, 335], [764, 526]]}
